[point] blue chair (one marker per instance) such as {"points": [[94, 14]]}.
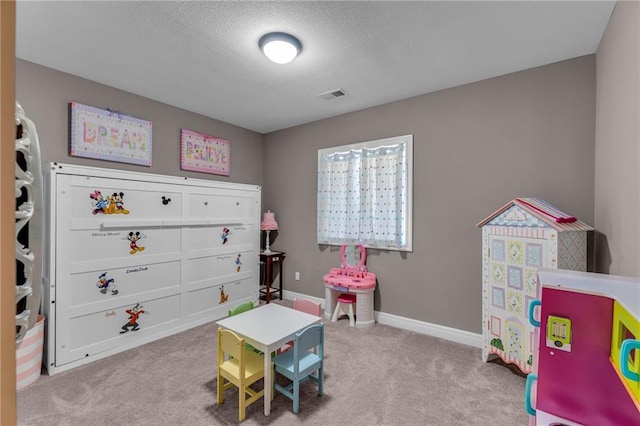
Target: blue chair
{"points": [[300, 363]]}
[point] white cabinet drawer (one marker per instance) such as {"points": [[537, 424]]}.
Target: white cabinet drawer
{"points": [[221, 267], [106, 329], [219, 297], [227, 237], [115, 199], [86, 245], [113, 284], [220, 203]]}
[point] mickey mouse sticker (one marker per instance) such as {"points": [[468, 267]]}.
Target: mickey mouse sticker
{"points": [[134, 238], [111, 204]]}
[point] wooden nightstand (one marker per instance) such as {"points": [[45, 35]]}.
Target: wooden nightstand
{"points": [[266, 289]]}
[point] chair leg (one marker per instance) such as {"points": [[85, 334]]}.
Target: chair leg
{"points": [[220, 389], [320, 380], [242, 408], [336, 313], [296, 396]]}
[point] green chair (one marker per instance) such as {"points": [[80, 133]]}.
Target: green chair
{"points": [[244, 307]]}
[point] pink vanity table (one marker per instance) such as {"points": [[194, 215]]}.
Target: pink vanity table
{"points": [[354, 280]]}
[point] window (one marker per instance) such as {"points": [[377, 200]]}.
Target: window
{"points": [[365, 194]]}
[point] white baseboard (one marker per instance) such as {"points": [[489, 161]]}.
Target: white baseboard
{"points": [[435, 330]]}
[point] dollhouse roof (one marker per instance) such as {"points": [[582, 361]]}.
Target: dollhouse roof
{"points": [[532, 212]]}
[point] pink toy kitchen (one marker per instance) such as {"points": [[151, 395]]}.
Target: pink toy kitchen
{"points": [[587, 370]]}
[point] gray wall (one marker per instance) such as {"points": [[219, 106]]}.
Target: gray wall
{"points": [[476, 147], [45, 95], [617, 175]]}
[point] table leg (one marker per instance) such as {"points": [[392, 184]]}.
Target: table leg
{"points": [[267, 382], [267, 280], [281, 273]]}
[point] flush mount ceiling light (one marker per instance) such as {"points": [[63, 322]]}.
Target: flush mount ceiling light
{"points": [[281, 48]]}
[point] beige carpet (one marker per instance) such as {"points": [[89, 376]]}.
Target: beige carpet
{"points": [[379, 376]]}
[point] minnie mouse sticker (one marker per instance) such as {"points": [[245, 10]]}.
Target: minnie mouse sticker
{"points": [[111, 204], [225, 235]]}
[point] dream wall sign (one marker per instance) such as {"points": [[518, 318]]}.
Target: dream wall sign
{"points": [[204, 153], [109, 135]]}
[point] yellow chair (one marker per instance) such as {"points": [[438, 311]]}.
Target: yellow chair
{"points": [[243, 368]]}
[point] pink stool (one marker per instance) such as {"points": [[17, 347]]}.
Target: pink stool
{"points": [[344, 300]]}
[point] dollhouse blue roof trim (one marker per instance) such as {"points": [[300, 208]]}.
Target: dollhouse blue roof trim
{"points": [[516, 216], [533, 213]]}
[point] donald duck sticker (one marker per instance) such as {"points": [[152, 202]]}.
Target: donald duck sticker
{"points": [[105, 284]]}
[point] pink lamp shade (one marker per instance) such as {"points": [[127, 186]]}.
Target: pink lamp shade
{"points": [[269, 222]]}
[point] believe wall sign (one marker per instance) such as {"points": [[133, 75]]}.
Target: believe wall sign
{"points": [[203, 153], [109, 135]]}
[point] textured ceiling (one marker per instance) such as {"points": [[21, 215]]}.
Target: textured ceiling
{"points": [[204, 56]]}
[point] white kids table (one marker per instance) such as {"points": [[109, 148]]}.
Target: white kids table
{"points": [[267, 328]]}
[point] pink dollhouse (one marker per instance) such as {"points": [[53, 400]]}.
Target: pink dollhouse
{"points": [[521, 236]]}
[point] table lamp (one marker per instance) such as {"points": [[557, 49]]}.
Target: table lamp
{"points": [[268, 224]]}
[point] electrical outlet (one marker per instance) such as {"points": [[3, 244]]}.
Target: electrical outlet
{"points": [[297, 276]]}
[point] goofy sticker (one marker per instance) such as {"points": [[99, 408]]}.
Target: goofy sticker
{"points": [[134, 313]]}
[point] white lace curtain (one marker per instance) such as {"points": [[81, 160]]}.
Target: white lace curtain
{"points": [[365, 194]]}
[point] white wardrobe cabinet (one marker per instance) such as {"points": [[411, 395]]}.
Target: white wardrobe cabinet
{"points": [[133, 257]]}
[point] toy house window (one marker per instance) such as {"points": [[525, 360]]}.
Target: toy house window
{"points": [[365, 194]]}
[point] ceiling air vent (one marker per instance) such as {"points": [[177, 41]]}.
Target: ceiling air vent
{"points": [[332, 94]]}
